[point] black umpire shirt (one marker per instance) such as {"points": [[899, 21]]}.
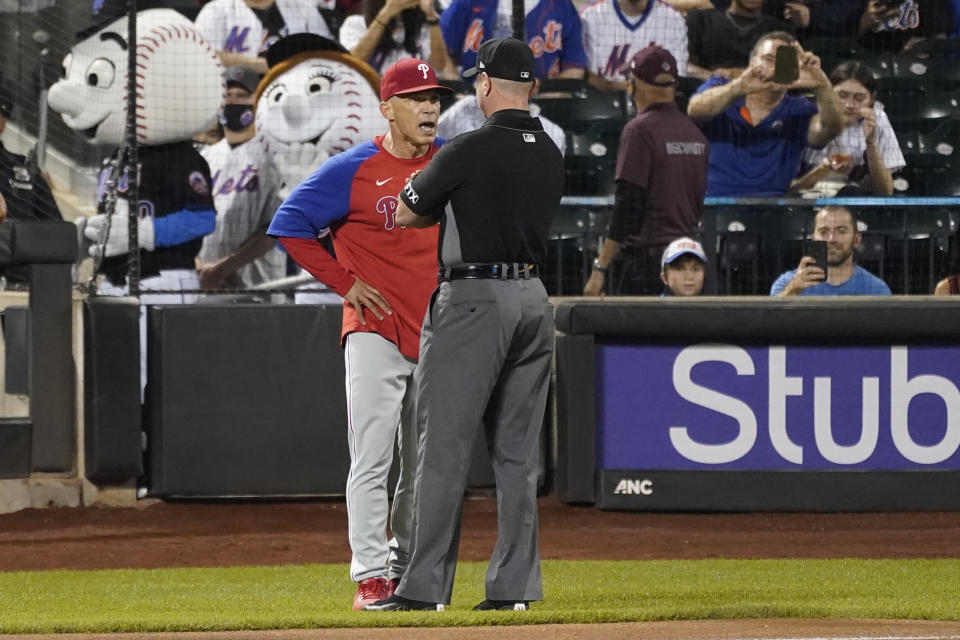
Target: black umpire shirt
{"points": [[495, 189]]}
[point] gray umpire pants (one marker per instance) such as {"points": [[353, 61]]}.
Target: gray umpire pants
{"points": [[485, 354]]}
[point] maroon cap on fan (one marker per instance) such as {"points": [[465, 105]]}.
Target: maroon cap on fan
{"points": [[654, 61], [408, 76]]}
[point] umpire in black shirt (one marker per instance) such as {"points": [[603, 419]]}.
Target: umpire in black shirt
{"points": [[487, 338]]}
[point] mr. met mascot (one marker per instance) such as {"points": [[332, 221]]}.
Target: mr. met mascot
{"points": [[180, 91], [316, 101]]}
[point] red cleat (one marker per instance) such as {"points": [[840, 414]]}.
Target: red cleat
{"points": [[392, 586], [369, 591]]}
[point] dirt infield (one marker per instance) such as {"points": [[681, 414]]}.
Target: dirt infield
{"points": [[231, 534]]}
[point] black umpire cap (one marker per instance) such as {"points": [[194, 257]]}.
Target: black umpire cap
{"points": [[506, 58]]}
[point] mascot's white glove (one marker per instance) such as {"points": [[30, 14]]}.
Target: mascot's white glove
{"points": [[118, 241], [296, 163]]}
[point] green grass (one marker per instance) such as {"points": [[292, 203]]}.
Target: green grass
{"points": [[314, 596]]}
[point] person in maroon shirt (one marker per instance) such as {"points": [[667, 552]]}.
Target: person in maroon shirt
{"points": [[660, 182]]}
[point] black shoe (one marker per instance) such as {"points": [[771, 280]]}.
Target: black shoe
{"points": [[399, 603], [502, 605]]}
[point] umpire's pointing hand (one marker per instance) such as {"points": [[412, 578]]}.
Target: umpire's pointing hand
{"points": [[361, 295]]}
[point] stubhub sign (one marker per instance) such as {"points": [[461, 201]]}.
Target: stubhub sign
{"points": [[724, 406]]}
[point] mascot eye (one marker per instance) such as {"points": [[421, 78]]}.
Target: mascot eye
{"points": [[319, 83], [274, 94], [67, 61], [100, 73]]}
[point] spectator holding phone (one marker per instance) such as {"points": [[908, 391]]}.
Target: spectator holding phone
{"points": [[837, 227], [757, 130], [720, 39], [866, 153]]}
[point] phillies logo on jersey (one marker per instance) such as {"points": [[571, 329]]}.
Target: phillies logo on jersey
{"points": [[247, 181], [471, 42], [387, 205], [550, 41]]}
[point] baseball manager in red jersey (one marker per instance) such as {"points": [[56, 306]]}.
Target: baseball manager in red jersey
{"points": [[386, 274]]}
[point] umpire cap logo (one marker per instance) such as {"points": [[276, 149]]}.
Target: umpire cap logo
{"points": [[411, 193]]}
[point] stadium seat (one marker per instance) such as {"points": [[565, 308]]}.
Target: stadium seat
{"points": [[872, 253], [942, 73], [739, 259], [913, 104], [937, 48], [592, 121], [573, 104]]}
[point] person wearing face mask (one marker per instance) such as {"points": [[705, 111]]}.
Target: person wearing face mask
{"points": [[244, 184]]}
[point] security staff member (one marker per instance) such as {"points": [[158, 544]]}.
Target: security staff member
{"points": [[487, 339], [661, 179], [26, 192]]}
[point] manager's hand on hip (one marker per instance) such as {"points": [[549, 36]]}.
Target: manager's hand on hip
{"points": [[362, 296]]}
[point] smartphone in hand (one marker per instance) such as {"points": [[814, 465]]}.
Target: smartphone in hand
{"points": [[817, 249], [786, 69]]}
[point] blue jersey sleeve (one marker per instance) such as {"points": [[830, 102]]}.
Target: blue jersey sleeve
{"points": [[323, 198], [453, 25], [573, 55]]}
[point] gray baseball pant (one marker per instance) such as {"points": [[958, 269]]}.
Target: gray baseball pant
{"points": [[485, 354]]}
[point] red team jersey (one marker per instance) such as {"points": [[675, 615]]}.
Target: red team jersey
{"points": [[355, 194]]}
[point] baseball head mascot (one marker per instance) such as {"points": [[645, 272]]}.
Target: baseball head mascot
{"points": [[316, 101], [179, 91]]}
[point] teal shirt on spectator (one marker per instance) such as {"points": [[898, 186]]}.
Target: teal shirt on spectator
{"points": [[861, 283]]}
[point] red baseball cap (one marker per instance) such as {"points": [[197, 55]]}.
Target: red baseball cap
{"points": [[654, 62], [408, 76]]}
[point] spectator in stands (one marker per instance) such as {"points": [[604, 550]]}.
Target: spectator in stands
{"points": [[721, 40], [838, 227], [388, 31], [866, 152], [242, 30], [465, 115], [613, 30], [819, 18], [757, 130], [661, 177], [244, 184], [683, 268], [899, 25], [23, 188], [553, 32]]}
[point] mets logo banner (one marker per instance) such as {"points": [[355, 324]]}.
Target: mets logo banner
{"points": [[771, 408]]}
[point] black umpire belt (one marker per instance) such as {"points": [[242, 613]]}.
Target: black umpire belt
{"points": [[490, 271]]}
